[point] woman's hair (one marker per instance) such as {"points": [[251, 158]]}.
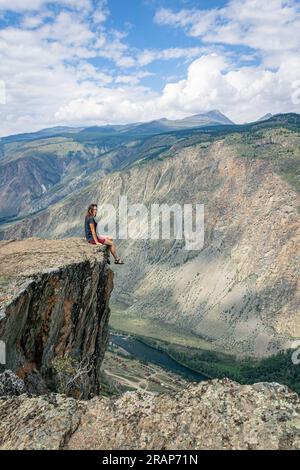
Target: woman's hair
{"points": [[90, 210]]}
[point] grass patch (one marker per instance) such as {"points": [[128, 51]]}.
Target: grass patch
{"points": [[123, 320]]}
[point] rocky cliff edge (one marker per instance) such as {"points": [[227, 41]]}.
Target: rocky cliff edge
{"points": [[54, 311], [218, 414]]}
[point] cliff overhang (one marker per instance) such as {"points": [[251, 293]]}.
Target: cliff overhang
{"points": [[54, 313]]}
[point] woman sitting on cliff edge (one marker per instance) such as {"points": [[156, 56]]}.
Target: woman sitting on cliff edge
{"points": [[91, 233]]}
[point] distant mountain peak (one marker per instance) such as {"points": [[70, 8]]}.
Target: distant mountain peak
{"points": [[265, 117], [214, 116]]}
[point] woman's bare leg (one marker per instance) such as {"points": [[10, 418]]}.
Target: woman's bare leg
{"points": [[111, 247]]}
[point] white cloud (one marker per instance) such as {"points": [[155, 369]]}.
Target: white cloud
{"points": [[266, 26], [2, 92], [31, 22], [150, 55], [67, 30], [44, 69], [101, 12], [35, 5], [106, 105], [20, 5], [70, 97], [242, 94], [196, 22], [50, 80], [133, 79]]}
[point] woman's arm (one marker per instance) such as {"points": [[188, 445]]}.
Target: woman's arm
{"points": [[92, 227]]}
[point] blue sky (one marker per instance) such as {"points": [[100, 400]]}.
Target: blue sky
{"points": [[112, 61]]}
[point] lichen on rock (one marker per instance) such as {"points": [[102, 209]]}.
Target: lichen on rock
{"points": [[10, 384], [217, 414]]}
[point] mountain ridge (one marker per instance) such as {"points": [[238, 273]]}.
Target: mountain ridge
{"points": [[38, 173], [214, 115]]}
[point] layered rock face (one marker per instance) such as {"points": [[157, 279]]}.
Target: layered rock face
{"points": [[54, 313], [218, 414]]}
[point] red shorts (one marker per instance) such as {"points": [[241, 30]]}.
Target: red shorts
{"points": [[101, 240]]}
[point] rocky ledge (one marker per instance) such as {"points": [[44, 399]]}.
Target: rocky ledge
{"points": [[54, 311], [54, 315], [218, 414]]}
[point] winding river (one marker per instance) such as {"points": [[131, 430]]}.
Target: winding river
{"points": [[144, 352]]}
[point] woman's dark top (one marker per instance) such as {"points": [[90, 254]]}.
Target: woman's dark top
{"points": [[88, 232]]}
